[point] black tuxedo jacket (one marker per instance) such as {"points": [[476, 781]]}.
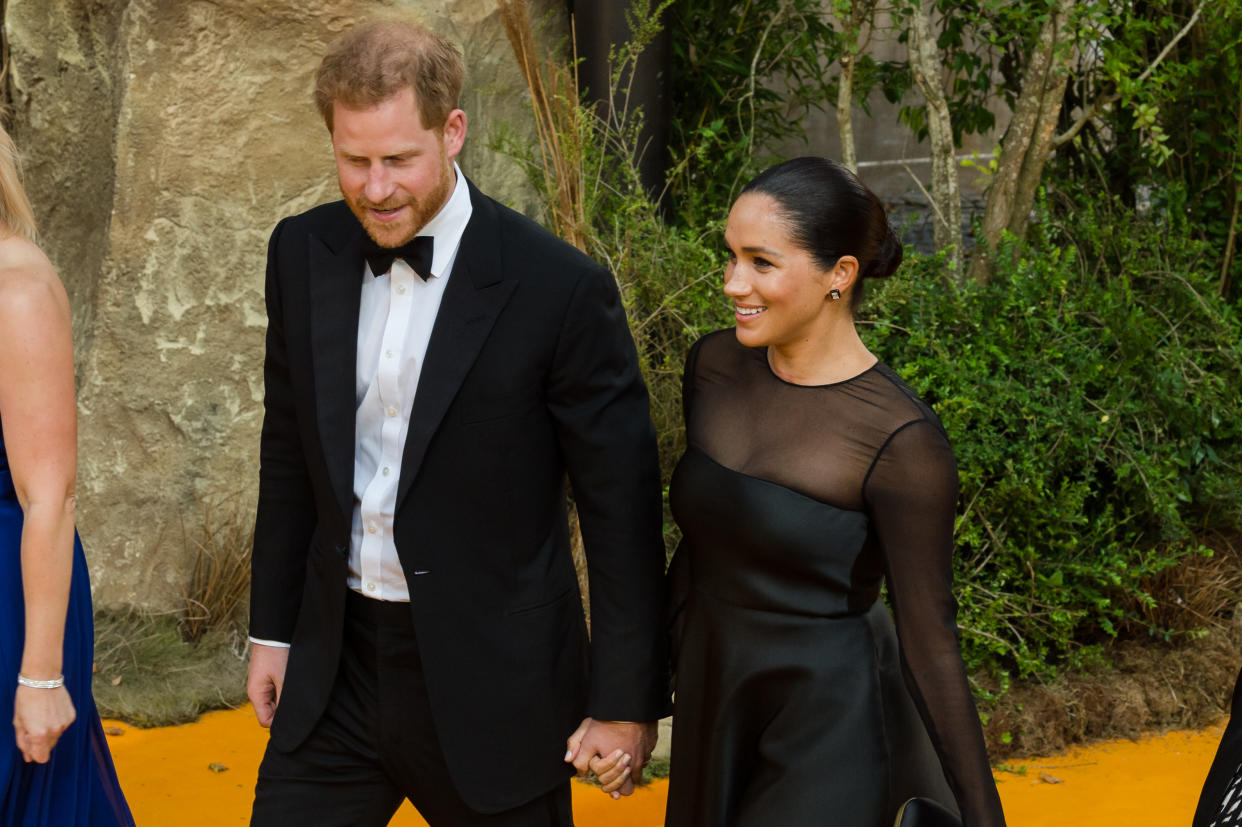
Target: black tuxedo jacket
{"points": [[530, 376]]}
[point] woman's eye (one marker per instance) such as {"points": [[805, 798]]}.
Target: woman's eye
{"points": [[762, 263]]}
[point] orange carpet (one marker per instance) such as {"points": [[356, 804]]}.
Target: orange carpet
{"points": [[202, 775]]}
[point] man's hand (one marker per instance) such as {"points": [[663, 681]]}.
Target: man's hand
{"points": [[609, 749], [266, 679]]}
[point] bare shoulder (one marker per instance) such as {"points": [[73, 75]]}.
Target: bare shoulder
{"points": [[30, 290]]}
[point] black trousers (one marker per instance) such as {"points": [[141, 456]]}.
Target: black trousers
{"points": [[376, 745]]}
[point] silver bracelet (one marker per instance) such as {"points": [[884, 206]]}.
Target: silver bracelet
{"points": [[54, 683]]}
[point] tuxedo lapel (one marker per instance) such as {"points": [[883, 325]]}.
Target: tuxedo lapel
{"points": [[473, 298], [335, 296]]}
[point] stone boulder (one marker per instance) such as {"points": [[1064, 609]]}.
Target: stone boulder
{"points": [[163, 140]]}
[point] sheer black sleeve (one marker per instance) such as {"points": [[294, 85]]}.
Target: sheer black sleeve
{"points": [[911, 496]]}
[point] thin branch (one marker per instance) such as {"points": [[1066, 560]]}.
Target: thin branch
{"points": [[754, 68], [1103, 103], [1227, 263], [926, 194]]}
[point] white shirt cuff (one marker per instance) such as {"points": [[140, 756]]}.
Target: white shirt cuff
{"points": [[262, 642]]}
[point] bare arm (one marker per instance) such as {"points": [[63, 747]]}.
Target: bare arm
{"points": [[38, 412]]}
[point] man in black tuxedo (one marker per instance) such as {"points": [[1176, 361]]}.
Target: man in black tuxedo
{"points": [[437, 366]]}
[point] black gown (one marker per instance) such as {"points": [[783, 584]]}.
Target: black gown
{"points": [[795, 503]]}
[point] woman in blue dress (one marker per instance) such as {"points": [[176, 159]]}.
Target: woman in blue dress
{"points": [[55, 770]]}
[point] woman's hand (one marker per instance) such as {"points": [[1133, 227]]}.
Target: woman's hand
{"points": [[593, 748], [611, 771], [40, 716]]}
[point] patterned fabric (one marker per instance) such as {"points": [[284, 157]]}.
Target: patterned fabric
{"points": [[1230, 813]]}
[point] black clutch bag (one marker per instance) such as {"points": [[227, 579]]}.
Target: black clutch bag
{"points": [[923, 812]]}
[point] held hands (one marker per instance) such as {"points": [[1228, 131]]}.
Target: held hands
{"points": [[265, 679], [615, 751], [39, 717]]}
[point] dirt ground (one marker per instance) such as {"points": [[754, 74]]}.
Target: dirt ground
{"points": [[202, 775]]}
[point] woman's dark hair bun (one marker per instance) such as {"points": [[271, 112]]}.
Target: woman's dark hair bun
{"points": [[888, 258], [831, 214]]}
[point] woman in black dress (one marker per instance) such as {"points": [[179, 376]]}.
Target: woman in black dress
{"points": [[812, 474]]}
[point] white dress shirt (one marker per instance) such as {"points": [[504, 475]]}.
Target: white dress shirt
{"points": [[397, 313]]}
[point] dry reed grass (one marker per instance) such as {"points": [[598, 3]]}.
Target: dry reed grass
{"points": [[219, 580], [1148, 685], [559, 119], [1200, 592]]}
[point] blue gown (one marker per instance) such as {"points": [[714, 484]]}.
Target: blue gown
{"points": [[77, 787]]}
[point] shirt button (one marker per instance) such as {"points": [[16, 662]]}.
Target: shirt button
{"points": [[388, 353], [392, 411], [385, 471], [401, 288], [371, 528], [370, 587]]}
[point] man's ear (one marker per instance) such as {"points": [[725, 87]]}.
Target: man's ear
{"points": [[454, 133]]}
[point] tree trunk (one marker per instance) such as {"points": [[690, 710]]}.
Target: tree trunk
{"points": [[855, 14], [845, 120], [1028, 141], [946, 201]]}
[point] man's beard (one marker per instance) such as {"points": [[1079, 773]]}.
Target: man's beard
{"points": [[420, 212]]}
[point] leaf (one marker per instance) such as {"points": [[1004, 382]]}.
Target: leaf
{"points": [[217, 767]]}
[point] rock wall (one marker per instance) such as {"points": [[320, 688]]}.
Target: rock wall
{"points": [[163, 140]]}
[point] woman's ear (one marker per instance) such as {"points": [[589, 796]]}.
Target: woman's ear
{"points": [[842, 275]]}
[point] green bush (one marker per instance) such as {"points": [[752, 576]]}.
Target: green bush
{"points": [[1090, 390], [1091, 395]]}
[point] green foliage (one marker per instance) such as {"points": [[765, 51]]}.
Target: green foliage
{"points": [[1178, 133], [744, 72], [982, 44], [1090, 393], [1089, 390]]}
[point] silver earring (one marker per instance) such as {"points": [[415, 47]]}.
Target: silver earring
{"points": [[834, 294]]}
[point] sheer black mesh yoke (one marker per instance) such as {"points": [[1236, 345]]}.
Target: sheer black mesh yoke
{"points": [[815, 495]]}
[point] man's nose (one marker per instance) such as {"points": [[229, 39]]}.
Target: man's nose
{"points": [[379, 184]]}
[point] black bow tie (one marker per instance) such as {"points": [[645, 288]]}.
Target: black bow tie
{"points": [[416, 252]]}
